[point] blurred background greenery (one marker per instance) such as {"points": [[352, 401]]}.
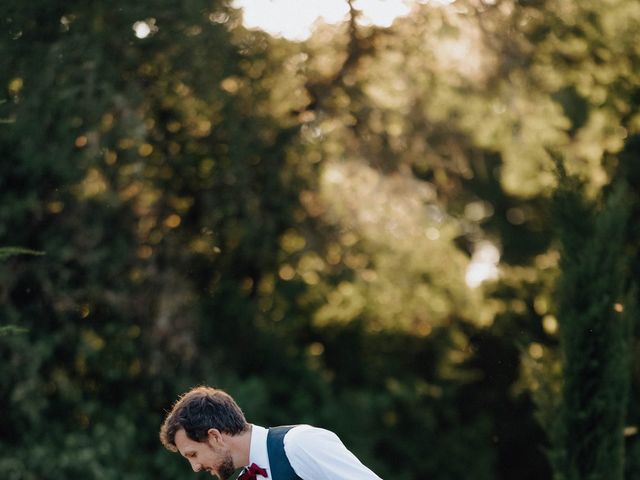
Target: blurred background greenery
{"points": [[422, 235]]}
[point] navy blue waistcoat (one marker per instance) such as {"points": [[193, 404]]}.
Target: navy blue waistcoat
{"points": [[281, 469]]}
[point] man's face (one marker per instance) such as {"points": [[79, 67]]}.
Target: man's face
{"points": [[210, 455]]}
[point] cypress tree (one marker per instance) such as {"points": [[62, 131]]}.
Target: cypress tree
{"points": [[595, 306]]}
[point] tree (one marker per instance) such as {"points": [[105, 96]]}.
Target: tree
{"points": [[596, 309]]}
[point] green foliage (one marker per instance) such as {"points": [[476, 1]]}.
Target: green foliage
{"points": [[294, 222], [6, 252], [11, 330], [596, 309]]}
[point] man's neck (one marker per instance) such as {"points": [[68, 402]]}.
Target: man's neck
{"points": [[241, 447]]}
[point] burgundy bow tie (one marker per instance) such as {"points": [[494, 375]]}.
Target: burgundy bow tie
{"points": [[251, 472]]}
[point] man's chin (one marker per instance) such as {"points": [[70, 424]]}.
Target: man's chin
{"points": [[213, 473], [227, 470]]}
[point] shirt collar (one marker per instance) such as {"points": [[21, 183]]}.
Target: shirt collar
{"points": [[258, 449]]}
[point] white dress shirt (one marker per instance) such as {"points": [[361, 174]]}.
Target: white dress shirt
{"points": [[314, 454]]}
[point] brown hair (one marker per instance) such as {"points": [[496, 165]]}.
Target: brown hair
{"points": [[199, 410]]}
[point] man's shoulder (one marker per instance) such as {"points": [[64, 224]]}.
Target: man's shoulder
{"points": [[319, 453], [305, 430], [307, 435]]}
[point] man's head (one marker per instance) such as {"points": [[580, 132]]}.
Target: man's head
{"points": [[200, 427], [199, 410]]}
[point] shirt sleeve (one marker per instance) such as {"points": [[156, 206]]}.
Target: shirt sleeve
{"points": [[318, 454]]}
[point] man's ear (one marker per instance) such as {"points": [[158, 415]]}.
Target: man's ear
{"points": [[214, 436]]}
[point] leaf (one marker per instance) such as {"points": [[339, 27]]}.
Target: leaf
{"points": [[6, 252], [12, 330]]}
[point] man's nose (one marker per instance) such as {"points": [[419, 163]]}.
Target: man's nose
{"points": [[196, 466]]}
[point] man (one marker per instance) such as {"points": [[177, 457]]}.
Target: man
{"points": [[208, 428]]}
